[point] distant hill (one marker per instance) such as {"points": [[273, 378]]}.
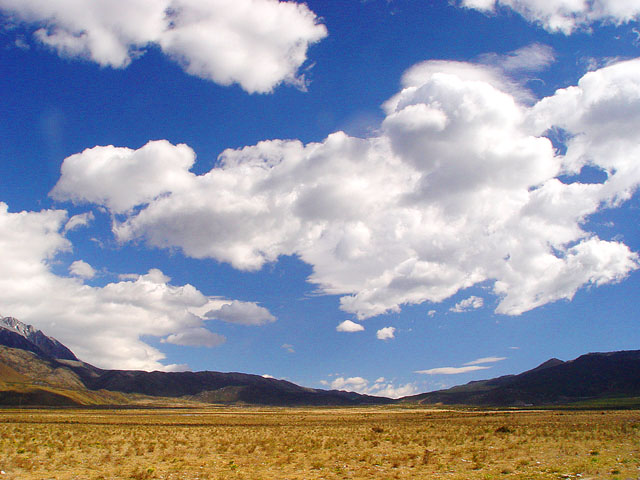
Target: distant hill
{"points": [[588, 377], [36, 369], [27, 378]]}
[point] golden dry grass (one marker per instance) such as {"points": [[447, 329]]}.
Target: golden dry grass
{"points": [[349, 443]]}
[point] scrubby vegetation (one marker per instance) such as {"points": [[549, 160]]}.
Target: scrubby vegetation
{"points": [[350, 443]]}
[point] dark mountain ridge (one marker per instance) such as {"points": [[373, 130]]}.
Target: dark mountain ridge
{"points": [[252, 389], [590, 376]]}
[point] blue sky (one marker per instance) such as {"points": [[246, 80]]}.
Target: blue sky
{"points": [[349, 195]]}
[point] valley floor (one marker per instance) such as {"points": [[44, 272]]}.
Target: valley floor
{"points": [[324, 443]]}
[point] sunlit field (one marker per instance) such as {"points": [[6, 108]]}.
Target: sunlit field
{"points": [[270, 443]]}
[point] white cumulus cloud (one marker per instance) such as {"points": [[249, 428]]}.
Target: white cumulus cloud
{"points": [[349, 326], [82, 269], [121, 178], [386, 333], [564, 15], [460, 187], [255, 43]]}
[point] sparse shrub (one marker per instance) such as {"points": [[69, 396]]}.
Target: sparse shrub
{"points": [[141, 473], [504, 429], [427, 456]]}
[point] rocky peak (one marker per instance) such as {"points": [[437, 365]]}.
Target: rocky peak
{"points": [[49, 345], [17, 326]]}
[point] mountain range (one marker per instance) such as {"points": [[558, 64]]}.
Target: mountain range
{"points": [[39, 370]]}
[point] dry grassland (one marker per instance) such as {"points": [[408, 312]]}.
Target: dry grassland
{"points": [[372, 443]]}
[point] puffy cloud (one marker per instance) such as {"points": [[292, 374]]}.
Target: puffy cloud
{"points": [[564, 15], [480, 361], [489, 70], [355, 384], [288, 347], [121, 178], [471, 303], [349, 326], [81, 269], [392, 391], [451, 370], [386, 333], [102, 325], [243, 313], [602, 114], [460, 186], [379, 388], [255, 43]]}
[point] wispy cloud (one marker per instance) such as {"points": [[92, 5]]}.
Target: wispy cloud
{"points": [[80, 220], [471, 303], [472, 366], [480, 361], [531, 58], [450, 370]]}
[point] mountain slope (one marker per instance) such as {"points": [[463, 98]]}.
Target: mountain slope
{"points": [[590, 376], [27, 378]]}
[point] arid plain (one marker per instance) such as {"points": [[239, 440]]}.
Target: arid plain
{"points": [[318, 443]]}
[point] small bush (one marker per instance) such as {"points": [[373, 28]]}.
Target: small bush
{"points": [[504, 429]]}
